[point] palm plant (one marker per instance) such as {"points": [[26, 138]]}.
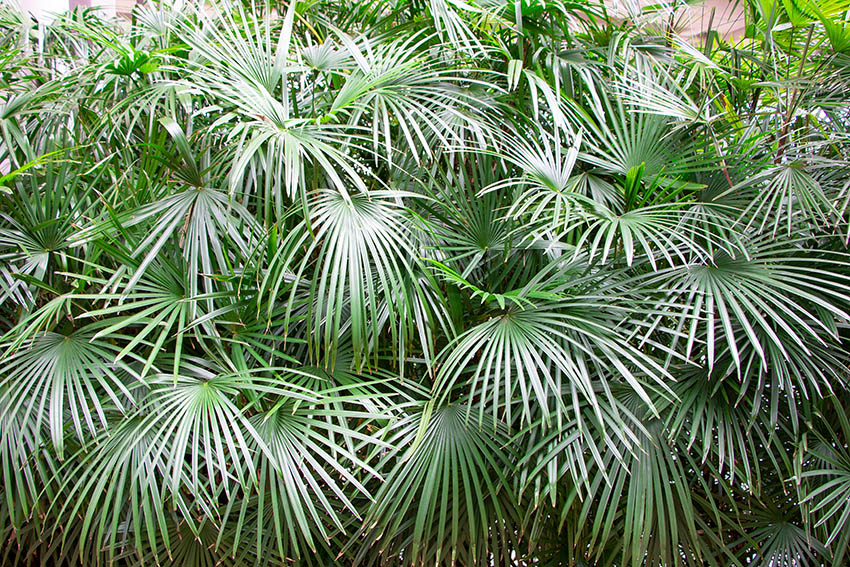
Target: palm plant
{"points": [[403, 283]]}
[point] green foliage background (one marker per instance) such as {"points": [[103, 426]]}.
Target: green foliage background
{"points": [[424, 282]]}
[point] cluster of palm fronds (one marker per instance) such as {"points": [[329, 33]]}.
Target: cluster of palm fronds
{"points": [[424, 282]]}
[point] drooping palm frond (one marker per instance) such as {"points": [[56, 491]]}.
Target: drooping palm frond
{"points": [[71, 372], [779, 288], [448, 498], [828, 465]]}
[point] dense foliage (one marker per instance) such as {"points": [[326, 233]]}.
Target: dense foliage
{"points": [[409, 282]]}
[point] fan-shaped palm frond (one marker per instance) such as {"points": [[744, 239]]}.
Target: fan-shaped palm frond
{"points": [[187, 444], [451, 497], [778, 289], [55, 373], [543, 351], [829, 498]]}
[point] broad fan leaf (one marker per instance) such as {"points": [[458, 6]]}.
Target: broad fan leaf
{"points": [[310, 472], [545, 356], [779, 289], [187, 445], [60, 375], [448, 498]]}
